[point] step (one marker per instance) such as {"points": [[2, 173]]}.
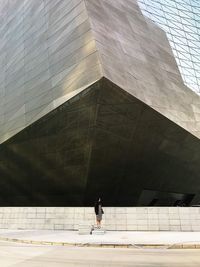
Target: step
{"points": [[85, 229], [99, 231]]}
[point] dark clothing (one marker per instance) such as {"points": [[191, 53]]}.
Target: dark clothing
{"points": [[96, 207]]}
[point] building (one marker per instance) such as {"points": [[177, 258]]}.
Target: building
{"points": [[93, 103]]}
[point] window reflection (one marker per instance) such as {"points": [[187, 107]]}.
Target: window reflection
{"points": [[180, 19]]}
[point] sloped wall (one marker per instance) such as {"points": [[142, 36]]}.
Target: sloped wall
{"points": [[135, 54], [47, 55]]}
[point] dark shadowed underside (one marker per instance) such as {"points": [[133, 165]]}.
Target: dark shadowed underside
{"points": [[103, 142]]}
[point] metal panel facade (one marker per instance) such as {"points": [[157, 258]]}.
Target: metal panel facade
{"points": [[47, 55], [93, 103]]}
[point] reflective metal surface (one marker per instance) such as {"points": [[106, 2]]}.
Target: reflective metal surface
{"points": [[102, 142], [67, 133], [135, 54], [47, 55]]}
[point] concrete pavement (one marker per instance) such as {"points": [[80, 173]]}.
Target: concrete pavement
{"points": [[23, 255], [110, 239]]}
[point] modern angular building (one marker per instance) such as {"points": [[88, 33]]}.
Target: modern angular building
{"points": [[92, 103]]}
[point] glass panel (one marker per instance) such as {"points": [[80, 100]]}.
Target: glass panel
{"points": [[180, 19]]}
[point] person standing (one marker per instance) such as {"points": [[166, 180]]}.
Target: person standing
{"points": [[99, 212]]}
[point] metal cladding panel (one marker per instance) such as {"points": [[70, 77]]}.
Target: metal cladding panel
{"points": [[47, 55], [68, 134], [136, 55], [52, 50]]}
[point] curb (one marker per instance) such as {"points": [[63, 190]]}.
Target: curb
{"points": [[34, 242], [105, 245], [170, 246], [185, 246]]}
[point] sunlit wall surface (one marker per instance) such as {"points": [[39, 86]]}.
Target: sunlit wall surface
{"points": [[181, 21]]}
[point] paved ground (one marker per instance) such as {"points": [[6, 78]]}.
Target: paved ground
{"points": [[18, 255], [111, 237]]}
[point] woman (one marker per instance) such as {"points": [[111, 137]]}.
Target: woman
{"points": [[99, 212]]}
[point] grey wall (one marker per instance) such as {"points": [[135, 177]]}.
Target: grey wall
{"points": [[47, 55], [115, 218]]}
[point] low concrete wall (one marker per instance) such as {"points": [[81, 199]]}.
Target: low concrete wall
{"points": [[67, 218]]}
